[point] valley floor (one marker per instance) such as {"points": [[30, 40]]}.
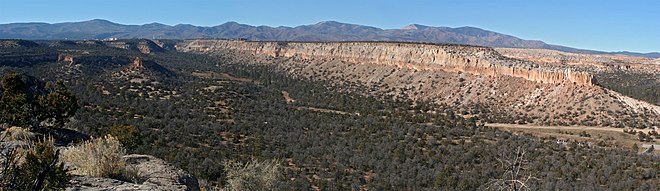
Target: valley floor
{"points": [[603, 136]]}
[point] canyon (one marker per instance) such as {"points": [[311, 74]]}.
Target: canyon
{"points": [[456, 58], [324, 107], [478, 81]]}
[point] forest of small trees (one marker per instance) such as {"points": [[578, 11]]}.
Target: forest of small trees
{"points": [[642, 86], [381, 143], [28, 103]]}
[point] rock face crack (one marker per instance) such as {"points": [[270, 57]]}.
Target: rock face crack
{"points": [[452, 58]]}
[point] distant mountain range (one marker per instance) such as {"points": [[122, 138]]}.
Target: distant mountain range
{"points": [[322, 31]]}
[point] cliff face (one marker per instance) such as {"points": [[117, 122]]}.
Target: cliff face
{"points": [[590, 62], [144, 46], [453, 58]]}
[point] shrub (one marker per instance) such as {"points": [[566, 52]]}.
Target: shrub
{"points": [[35, 168], [99, 157], [253, 175], [205, 185], [584, 134], [14, 101], [643, 137], [17, 134], [25, 102], [58, 105], [128, 135]]}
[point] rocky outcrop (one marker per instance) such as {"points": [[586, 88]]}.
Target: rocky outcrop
{"points": [[156, 173], [150, 173], [159, 173], [143, 69], [143, 45], [88, 183], [137, 64], [65, 58], [455, 58], [590, 62], [148, 46]]}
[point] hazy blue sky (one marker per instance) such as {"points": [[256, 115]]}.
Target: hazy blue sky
{"points": [[591, 24]]}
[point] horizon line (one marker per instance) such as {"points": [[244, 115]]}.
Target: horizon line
{"points": [[320, 22]]}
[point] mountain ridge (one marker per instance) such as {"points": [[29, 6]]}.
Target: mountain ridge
{"points": [[321, 31]]}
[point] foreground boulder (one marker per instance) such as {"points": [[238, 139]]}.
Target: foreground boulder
{"points": [[98, 183], [156, 174]]}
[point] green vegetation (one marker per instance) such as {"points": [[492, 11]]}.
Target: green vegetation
{"points": [[58, 105], [642, 86], [15, 102], [128, 135], [24, 102], [238, 113], [36, 168]]}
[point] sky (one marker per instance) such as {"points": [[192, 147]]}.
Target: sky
{"points": [[605, 25]]}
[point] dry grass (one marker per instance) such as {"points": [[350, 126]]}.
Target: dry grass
{"points": [[613, 137], [17, 134], [253, 175], [21, 152], [98, 157]]}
